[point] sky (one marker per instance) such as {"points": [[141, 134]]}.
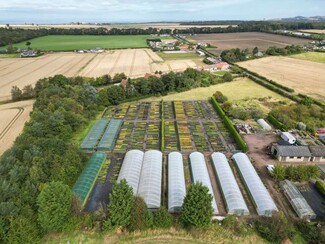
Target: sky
{"points": [[126, 11]]}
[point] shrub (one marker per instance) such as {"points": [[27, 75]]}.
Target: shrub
{"points": [[312, 232], [320, 185], [227, 77], [162, 219], [141, 217], [276, 123]]}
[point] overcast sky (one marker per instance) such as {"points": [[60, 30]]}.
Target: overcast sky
{"points": [[121, 11]]}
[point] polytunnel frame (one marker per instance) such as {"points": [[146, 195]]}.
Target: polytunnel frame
{"points": [[131, 169], [262, 199], [150, 180], [229, 188], [176, 182], [199, 173]]}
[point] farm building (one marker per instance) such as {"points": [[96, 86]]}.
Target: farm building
{"points": [[200, 174], [176, 182], [150, 179], [322, 170], [232, 196], [291, 153], [318, 153], [223, 66], [297, 201], [264, 203], [85, 182], [264, 124], [131, 169], [286, 136]]}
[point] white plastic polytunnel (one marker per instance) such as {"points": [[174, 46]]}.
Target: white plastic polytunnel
{"points": [[235, 202], [264, 124], [150, 179], [176, 182], [200, 174], [131, 169], [263, 201]]}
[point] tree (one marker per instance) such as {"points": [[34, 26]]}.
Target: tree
{"points": [[28, 43], [197, 208], [220, 97], [120, 205], [162, 219], [118, 77], [227, 77], [28, 92], [16, 93], [54, 206], [115, 94], [255, 50], [141, 217], [102, 97]]}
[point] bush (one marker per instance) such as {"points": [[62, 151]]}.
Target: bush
{"points": [[227, 77], [312, 232], [141, 217], [276, 123], [162, 219], [320, 185]]}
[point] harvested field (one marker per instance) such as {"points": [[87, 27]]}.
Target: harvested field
{"points": [[13, 117], [246, 40], [305, 77], [133, 62], [22, 72], [314, 31]]}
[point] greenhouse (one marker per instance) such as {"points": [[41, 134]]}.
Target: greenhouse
{"points": [[91, 140], [150, 179], [110, 135], [87, 179], [176, 182], [263, 202], [234, 200], [131, 169], [264, 124], [200, 174], [297, 201]]}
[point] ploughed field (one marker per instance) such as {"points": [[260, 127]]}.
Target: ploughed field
{"points": [[133, 62], [13, 117], [223, 41], [303, 76]]}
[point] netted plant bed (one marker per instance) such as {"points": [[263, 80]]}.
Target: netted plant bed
{"points": [[179, 111], [132, 112], [155, 111], [205, 110], [213, 136], [152, 141], [138, 135], [168, 111], [190, 111], [184, 136], [123, 141], [200, 142], [144, 111], [120, 111], [171, 143]]}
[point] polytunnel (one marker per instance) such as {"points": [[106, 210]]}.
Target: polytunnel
{"points": [[264, 124], [176, 182], [200, 174], [150, 179], [131, 169], [234, 199], [263, 202]]}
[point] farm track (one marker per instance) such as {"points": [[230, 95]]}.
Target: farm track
{"points": [[132, 64], [115, 63], [97, 63], [10, 124], [84, 66]]}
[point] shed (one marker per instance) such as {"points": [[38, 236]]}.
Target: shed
{"points": [[176, 182], [131, 169], [291, 153], [234, 200], [264, 124], [318, 153], [150, 179], [264, 203], [200, 174], [297, 201]]}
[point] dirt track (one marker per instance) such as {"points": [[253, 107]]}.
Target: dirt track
{"points": [[133, 62], [13, 117], [305, 77]]}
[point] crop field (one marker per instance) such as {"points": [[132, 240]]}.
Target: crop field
{"points": [[314, 31], [74, 42], [246, 40], [311, 56], [133, 62], [188, 126], [13, 117], [304, 76]]}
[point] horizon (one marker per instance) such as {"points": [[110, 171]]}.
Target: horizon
{"points": [[126, 11]]}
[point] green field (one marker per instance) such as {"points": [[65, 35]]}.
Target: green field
{"points": [[74, 42], [12, 55], [311, 56], [179, 56], [238, 89]]}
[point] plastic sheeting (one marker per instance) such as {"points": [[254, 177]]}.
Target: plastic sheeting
{"points": [[264, 203], [108, 140], [91, 140], [176, 182], [235, 202]]}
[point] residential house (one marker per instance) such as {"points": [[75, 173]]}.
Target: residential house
{"points": [[223, 66]]}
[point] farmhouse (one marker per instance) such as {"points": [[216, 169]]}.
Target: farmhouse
{"points": [[30, 53], [223, 66]]}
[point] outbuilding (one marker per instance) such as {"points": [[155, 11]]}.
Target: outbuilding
{"points": [[291, 153], [318, 153], [264, 124], [286, 136]]}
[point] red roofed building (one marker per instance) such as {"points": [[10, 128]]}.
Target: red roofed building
{"points": [[223, 66], [146, 76], [124, 83]]}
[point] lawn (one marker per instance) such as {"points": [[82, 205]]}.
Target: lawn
{"points": [[7, 55], [238, 89], [74, 42], [311, 56], [179, 56]]}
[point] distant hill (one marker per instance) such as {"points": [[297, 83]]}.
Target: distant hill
{"points": [[302, 19]]}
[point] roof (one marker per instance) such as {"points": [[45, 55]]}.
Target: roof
{"points": [[317, 151], [147, 75], [293, 151], [123, 83], [222, 64], [321, 167]]}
